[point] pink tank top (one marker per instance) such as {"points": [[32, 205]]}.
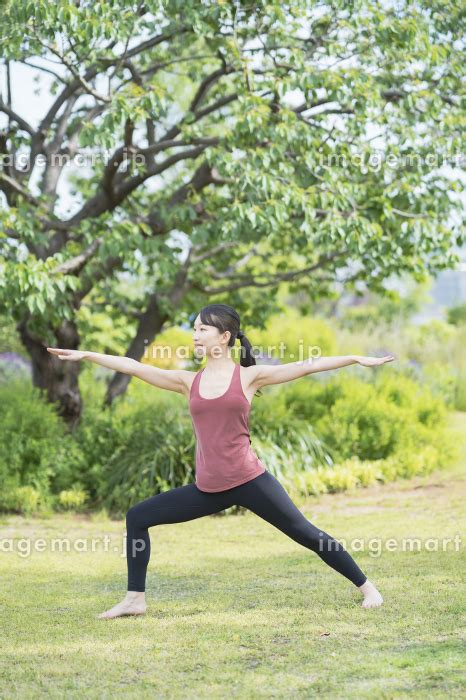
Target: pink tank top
{"points": [[224, 457]]}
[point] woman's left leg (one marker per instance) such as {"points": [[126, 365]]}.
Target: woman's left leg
{"points": [[266, 497]]}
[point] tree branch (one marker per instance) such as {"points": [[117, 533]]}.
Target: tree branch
{"points": [[207, 83], [213, 251], [249, 281], [13, 185], [91, 73], [76, 264], [22, 123]]}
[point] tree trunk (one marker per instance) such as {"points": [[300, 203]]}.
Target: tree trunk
{"points": [[149, 327], [58, 379]]}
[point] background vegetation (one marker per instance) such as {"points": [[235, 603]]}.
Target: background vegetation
{"points": [[323, 433]]}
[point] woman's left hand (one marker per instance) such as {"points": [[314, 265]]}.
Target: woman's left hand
{"points": [[373, 361]]}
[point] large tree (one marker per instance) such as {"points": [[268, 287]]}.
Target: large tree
{"points": [[248, 129]]}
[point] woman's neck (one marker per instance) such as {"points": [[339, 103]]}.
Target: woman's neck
{"points": [[219, 364]]}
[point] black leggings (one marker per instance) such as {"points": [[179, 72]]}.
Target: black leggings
{"points": [[263, 495]]}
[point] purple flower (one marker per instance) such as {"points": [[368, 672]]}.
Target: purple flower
{"points": [[12, 362]]}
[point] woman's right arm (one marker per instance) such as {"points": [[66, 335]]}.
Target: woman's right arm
{"points": [[125, 365], [170, 379]]}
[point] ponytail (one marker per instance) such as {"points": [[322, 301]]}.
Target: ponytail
{"points": [[247, 356]]}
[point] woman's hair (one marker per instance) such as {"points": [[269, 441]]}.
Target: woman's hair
{"points": [[225, 318]]}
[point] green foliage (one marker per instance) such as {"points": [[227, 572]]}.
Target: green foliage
{"points": [[103, 328], [35, 450], [391, 428], [385, 310], [155, 452], [316, 435], [431, 353], [36, 291], [437, 348], [9, 339], [20, 499], [72, 499], [362, 424], [240, 168], [429, 336], [356, 473], [290, 337], [370, 420], [456, 315], [460, 394], [419, 401]]}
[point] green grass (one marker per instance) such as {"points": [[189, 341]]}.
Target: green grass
{"points": [[237, 609]]}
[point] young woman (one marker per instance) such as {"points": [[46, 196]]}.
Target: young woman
{"points": [[228, 472]]}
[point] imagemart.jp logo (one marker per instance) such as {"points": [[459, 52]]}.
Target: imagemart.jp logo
{"points": [[375, 546]]}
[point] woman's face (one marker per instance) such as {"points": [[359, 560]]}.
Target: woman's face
{"points": [[207, 338]]}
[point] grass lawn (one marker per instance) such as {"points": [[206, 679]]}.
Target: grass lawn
{"points": [[237, 609]]}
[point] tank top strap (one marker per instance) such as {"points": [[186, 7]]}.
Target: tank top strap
{"points": [[236, 381], [195, 384]]}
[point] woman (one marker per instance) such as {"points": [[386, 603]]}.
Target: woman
{"points": [[228, 472]]}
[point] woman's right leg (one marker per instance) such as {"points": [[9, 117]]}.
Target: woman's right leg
{"points": [[175, 506]]}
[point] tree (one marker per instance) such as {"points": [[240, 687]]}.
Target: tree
{"points": [[192, 102]]}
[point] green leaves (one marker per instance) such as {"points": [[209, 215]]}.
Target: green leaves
{"points": [[306, 119], [32, 287]]}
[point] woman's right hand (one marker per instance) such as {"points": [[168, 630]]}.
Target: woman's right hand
{"points": [[63, 354]]}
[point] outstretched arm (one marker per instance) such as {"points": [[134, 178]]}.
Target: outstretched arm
{"points": [[277, 374], [170, 379]]}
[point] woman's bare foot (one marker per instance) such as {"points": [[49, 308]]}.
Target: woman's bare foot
{"points": [[133, 604], [372, 597]]}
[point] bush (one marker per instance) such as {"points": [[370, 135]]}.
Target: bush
{"points": [[362, 425], [302, 333], [352, 473], [367, 473], [368, 419], [427, 407], [20, 499], [72, 499], [456, 315], [35, 449], [318, 434], [378, 430], [155, 457], [341, 478], [312, 482]]}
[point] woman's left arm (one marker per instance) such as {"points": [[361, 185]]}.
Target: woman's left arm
{"points": [[277, 374]]}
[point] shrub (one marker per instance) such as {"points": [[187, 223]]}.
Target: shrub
{"points": [[317, 434], [362, 424], [34, 444], [311, 398], [153, 452], [302, 333], [456, 315], [388, 469], [428, 409], [443, 380], [20, 499], [340, 477], [367, 472], [312, 482], [72, 499]]}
